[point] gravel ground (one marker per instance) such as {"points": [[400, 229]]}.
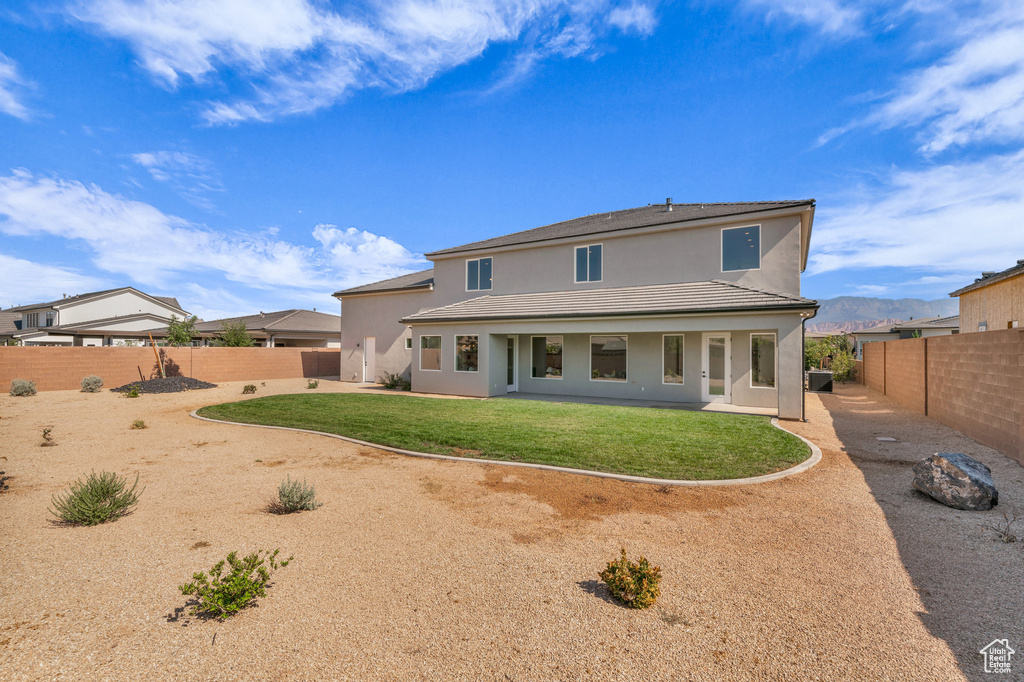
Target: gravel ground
{"points": [[166, 385], [419, 569]]}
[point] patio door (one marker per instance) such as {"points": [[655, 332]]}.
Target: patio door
{"points": [[716, 368], [513, 355], [369, 359]]}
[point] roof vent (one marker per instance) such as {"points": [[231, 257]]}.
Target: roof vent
{"points": [[261, 314], [668, 204], [987, 273], [1020, 261]]}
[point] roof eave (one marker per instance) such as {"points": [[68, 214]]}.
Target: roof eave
{"points": [[394, 290], [633, 313]]}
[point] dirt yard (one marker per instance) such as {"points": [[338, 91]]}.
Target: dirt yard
{"points": [[419, 569]]}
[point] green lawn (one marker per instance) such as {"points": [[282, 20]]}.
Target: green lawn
{"points": [[625, 440]]}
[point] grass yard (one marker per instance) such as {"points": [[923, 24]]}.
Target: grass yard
{"points": [[671, 444]]}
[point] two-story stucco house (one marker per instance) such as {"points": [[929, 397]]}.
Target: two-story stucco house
{"points": [[671, 302], [99, 318]]}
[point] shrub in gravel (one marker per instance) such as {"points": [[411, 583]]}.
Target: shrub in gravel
{"points": [[393, 381], [96, 500], [139, 424], [92, 384], [132, 392], [312, 383], [633, 584], [293, 496], [23, 387], [48, 438], [248, 388], [219, 595]]}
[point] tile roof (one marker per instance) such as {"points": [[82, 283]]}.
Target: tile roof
{"points": [[992, 278], [656, 299], [94, 294], [10, 322], [415, 280], [293, 320], [950, 322], [630, 218]]}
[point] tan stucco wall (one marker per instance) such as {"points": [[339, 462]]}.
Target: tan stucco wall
{"points": [[997, 304]]}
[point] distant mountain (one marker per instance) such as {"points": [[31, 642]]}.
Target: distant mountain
{"points": [[853, 313]]}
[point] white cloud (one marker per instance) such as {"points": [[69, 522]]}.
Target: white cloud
{"points": [[951, 219], [637, 18], [154, 249], [829, 16], [302, 55], [25, 282], [193, 177], [11, 83]]}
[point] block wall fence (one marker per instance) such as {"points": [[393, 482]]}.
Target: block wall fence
{"points": [[973, 383], [56, 368]]}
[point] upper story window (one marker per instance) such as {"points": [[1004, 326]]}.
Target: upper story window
{"points": [[478, 274], [741, 248], [50, 315], [31, 320], [588, 263]]}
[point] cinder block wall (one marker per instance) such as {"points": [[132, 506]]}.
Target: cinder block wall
{"points": [[874, 366], [59, 368], [971, 382], [905, 379]]}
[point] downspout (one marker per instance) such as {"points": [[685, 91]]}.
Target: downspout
{"points": [[803, 345]]}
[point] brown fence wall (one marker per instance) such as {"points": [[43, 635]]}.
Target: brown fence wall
{"points": [[971, 382], [59, 368]]}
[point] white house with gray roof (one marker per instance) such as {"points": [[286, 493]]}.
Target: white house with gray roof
{"points": [[696, 303]]}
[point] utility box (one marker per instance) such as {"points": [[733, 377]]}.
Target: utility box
{"points": [[819, 381]]}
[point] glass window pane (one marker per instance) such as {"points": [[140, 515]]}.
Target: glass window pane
{"points": [[430, 352], [716, 365], [673, 359], [467, 355], [485, 273], [608, 358], [594, 269], [546, 353], [762, 360], [472, 275], [581, 264], [741, 248]]}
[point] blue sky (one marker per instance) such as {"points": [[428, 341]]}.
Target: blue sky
{"points": [[249, 154]]}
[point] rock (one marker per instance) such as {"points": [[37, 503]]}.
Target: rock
{"points": [[957, 481]]}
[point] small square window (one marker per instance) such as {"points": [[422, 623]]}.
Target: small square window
{"points": [[408, 343], [741, 248], [478, 274], [608, 358], [588, 263]]}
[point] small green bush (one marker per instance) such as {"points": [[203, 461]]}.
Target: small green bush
{"points": [[132, 392], [92, 384], [96, 500], [633, 584], [293, 496], [248, 388], [219, 596], [313, 383], [389, 380], [139, 424], [23, 387], [47, 438]]}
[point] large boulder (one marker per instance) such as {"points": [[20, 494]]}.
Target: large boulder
{"points": [[957, 481]]}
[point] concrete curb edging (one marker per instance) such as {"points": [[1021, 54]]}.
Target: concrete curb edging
{"points": [[799, 468]]}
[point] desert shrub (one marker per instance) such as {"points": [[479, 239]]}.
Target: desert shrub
{"points": [[48, 438], [633, 584], [139, 424], [389, 380], [220, 595], [92, 384], [23, 387], [312, 383], [96, 500], [132, 392], [293, 496], [248, 388]]}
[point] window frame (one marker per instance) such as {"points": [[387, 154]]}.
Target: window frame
{"points": [[51, 317], [721, 247], [683, 353], [32, 320], [575, 269], [775, 340], [477, 261], [545, 337], [590, 354], [455, 355], [408, 343], [440, 354]]}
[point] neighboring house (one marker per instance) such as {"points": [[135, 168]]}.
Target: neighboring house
{"points": [[669, 302], [925, 326], [10, 324], [993, 301], [101, 318], [283, 329]]}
